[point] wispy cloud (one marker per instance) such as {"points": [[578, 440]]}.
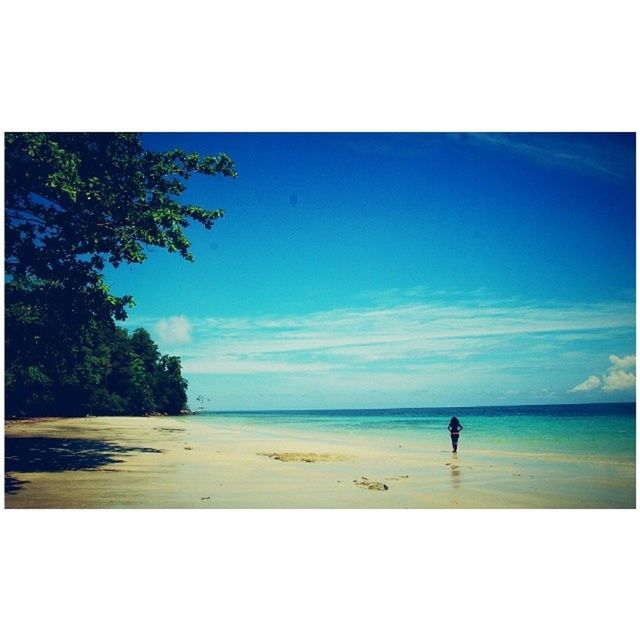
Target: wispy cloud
{"points": [[408, 338], [599, 155], [431, 347], [603, 155]]}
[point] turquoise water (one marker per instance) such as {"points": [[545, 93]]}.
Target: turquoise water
{"points": [[590, 430]]}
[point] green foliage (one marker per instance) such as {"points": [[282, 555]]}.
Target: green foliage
{"points": [[137, 381], [76, 197], [105, 403], [74, 201]]}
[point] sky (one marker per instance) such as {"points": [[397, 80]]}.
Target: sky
{"points": [[401, 270]]}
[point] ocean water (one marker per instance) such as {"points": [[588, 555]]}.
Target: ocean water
{"points": [[589, 431]]}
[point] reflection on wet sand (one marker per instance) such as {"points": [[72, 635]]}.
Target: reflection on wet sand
{"points": [[455, 472]]}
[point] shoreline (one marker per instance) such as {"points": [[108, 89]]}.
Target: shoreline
{"points": [[178, 462]]}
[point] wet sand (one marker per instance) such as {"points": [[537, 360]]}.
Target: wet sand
{"points": [[162, 462]]}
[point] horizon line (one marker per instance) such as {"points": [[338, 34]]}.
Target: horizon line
{"points": [[474, 406]]}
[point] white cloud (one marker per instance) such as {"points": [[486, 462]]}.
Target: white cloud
{"points": [[412, 337], [439, 347], [174, 330], [619, 380], [627, 362], [591, 383]]}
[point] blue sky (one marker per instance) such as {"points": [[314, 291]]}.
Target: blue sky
{"points": [[386, 270]]}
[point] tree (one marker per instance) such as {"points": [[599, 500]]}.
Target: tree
{"points": [[74, 201], [171, 390]]}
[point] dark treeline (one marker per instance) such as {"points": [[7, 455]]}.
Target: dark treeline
{"points": [[89, 368], [73, 202]]}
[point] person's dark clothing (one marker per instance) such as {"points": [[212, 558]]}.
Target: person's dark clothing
{"points": [[455, 428]]}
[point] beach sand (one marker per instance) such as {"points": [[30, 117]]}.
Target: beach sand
{"points": [[162, 462]]}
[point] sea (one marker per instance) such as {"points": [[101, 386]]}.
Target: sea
{"points": [[591, 431]]}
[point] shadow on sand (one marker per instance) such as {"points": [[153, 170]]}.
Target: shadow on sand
{"points": [[38, 454], [12, 485]]}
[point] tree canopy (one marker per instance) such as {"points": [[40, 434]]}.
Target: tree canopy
{"points": [[73, 202]]}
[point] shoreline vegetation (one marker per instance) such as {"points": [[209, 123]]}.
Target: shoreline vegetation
{"points": [[76, 202], [131, 378], [179, 462]]}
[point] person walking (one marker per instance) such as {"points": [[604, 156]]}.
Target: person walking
{"points": [[455, 428]]}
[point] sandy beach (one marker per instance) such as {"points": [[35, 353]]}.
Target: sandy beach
{"points": [[162, 462]]}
